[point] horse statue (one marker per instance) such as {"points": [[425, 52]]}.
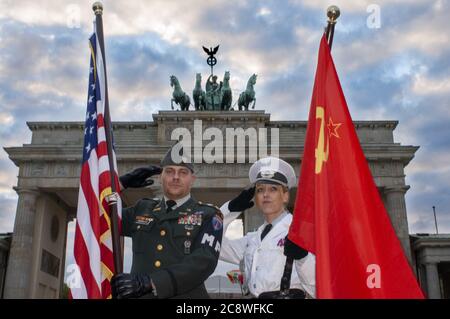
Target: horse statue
{"points": [[179, 97], [198, 94], [246, 97], [225, 91]]}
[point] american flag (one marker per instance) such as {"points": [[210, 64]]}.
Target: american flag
{"points": [[93, 251]]}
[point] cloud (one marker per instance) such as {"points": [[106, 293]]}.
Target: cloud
{"points": [[425, 193], [362, 5], [424, 85]]}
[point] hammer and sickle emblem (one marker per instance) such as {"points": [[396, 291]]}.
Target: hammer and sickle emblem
{"points": [[321, 152]]}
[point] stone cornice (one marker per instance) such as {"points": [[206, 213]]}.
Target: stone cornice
{"points": [[430, 242], [168, 116], [35, 126], [45, 153], [397, 189], [358, 124]]}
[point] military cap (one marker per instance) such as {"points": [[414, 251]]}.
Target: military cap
{"points": [[272, 170], [175, 156]]}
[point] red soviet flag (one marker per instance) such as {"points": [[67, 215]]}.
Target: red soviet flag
{"points": [[339, 215]]}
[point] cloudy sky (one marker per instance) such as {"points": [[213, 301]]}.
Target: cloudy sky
{"points": [[393, 59]]}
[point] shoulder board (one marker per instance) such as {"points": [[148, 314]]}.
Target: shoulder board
{"points": [[156, 199], [209, 205], [146, 202]]}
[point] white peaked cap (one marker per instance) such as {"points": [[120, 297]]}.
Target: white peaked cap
{"points": [[273, 170]]}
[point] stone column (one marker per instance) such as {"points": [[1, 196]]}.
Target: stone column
{"points": [[19, 265], [434, 292], [395, 205]]}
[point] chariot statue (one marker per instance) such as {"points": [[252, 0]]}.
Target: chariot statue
{"points": [[217, 96]]}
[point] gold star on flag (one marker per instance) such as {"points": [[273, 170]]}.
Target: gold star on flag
{"points": [[332, 128]]}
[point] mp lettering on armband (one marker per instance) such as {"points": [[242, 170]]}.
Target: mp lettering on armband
{"points": [[209, 239]]}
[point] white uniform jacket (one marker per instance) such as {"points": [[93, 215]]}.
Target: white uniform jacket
{"points": [[264, 260]]}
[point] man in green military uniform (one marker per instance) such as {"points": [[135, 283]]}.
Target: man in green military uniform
{"points": [[176, 239]]}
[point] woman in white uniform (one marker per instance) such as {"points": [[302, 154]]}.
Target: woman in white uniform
{"points": [[263, 251]]}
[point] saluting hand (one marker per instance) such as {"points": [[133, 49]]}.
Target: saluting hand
{"points": [[243, 201], [139, 177]]}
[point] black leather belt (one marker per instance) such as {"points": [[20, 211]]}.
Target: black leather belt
{"points": [[290, 294]]}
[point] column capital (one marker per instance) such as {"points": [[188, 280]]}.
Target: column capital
{"points": [[26, 190], [427, 265], [427, 262], [396, 189]]}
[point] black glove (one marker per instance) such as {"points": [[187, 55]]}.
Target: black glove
{"points": [[243, 201], [293, 251], [124, 286], [138, 177]]}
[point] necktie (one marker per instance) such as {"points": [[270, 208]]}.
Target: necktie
{"points": [[265, 231], [170, 204]]}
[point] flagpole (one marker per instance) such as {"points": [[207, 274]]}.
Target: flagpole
{"points": [[435, 220], [333, 13], [97, 7]]}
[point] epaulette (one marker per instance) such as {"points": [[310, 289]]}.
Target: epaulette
{"points": [[210, 205], [155, 199]]}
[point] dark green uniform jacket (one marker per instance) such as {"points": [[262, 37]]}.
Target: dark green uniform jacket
{"points": [[179, 249]]}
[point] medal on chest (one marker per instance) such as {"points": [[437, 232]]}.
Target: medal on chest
{"points": [[190, 220], [187, 247], [143, 220]]}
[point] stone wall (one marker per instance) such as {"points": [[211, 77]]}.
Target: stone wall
{"points": [[49, 167]]}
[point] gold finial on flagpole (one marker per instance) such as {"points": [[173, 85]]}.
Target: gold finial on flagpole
{"points": [[333, 13], [97, 7]]}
